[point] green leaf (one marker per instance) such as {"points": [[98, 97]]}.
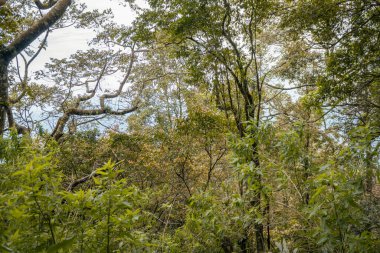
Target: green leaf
{"points": [[322, 240], [6, 248], [63, 245]]}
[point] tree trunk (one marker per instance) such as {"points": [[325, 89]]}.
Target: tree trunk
{"points": [[256, 202], [20, 42], [259, 234], [258, 226], [227, 245], [3, 94], [243, 244]]}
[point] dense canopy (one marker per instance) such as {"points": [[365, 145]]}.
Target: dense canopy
{"points": [[201, 126]]}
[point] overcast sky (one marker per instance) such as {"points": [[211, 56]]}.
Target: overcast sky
{"points": [[64, 42]]}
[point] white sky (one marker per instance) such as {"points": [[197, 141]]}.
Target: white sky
{"points": [[64, 42]]}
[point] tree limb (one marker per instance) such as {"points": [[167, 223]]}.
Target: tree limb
{"points": [[45, 6], [290, 88], [27, 37]]}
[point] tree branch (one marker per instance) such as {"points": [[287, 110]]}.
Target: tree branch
{"points": [[24, 80], [45, 6], [74, 110], [290, 88], [27, 37]]}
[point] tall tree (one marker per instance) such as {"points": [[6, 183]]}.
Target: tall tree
{"points": [[19, 42], [226, 43], [346, 34]]}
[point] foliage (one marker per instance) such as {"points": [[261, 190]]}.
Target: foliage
{"points": [[253, 126], [39, 215]]}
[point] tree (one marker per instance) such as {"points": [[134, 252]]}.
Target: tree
{"points": [[69, 105], [255, 126], [19, 42], [86, 71], [226, 45], [345, 33]]}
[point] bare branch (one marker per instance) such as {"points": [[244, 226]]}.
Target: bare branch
{"points": [[81, 181], [103, 110], [24, 80], [123, 82], [290, 88], [27, 37]]}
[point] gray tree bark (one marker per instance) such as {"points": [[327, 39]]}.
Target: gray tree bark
{"points": [[21, 42], [3, 93]]}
